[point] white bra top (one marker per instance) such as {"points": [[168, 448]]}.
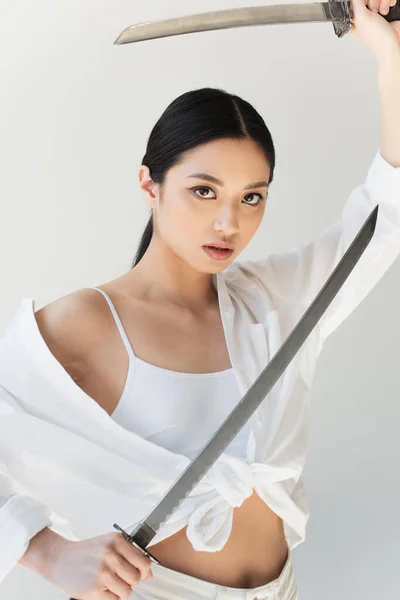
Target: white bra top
{"points": [[175, 410]]}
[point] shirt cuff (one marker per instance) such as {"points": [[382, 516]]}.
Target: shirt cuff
{"points": [[21, 518], [383, 181]]}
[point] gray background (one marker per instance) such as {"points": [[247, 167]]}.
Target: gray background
{"points": [[75, 115]]}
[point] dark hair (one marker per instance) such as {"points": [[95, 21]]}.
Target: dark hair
{"points": [[196, 117]]}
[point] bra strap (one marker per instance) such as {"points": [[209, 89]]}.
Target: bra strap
{"points": [[118, 323]]}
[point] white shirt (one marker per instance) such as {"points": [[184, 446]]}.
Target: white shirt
{"points": [[64, 463]]}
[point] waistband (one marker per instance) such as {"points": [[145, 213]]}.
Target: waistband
{"points": [[168, 584]]}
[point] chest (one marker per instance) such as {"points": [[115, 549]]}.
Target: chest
{"points": [[179, 342], [166, 339]]}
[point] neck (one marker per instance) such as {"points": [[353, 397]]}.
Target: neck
{"points": [[164, 277]]}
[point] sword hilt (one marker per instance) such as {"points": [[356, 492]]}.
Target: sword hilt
{"points": [[393, 14], [345, 16], [142, 534]]}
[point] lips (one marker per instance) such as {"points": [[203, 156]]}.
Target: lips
{"points": [[219, 245], [218, 253]]}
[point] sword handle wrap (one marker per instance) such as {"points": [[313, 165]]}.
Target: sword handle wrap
{"points": [[343, 25], [393, 14]]}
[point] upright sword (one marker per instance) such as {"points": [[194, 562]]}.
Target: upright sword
{"points": [[145, 531]]}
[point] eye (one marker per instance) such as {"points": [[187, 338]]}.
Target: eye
{"points": [[202, 188], [260, 198]]}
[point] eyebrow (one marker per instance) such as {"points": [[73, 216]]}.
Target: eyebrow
{"points": [[217, 181]]}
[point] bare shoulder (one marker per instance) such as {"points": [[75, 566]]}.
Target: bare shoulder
{"points": [[71, 326]]}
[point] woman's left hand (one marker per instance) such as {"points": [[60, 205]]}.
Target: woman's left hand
{"points": [[369, 26]]}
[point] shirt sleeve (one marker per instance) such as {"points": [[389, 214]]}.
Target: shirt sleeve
{"points": [[296, 276], [21, 516]]}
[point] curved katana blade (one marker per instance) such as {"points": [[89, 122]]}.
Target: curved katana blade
{"points": [[338, 12], [237, 17]]}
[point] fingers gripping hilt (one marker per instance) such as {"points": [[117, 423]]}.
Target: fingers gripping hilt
{"points": [[345, 15], [140, 538]]}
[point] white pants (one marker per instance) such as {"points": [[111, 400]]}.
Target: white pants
{"points": [[168, 584]]}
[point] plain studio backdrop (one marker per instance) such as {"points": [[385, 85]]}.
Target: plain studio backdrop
{"points": [[75, 115]]}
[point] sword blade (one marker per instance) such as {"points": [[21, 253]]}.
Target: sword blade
{"points": [[312, 12], [147, 529]]}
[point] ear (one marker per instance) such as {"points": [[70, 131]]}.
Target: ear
{"points": [[147, 185]]}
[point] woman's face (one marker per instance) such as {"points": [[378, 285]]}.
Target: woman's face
{"points": [[197, 210]]}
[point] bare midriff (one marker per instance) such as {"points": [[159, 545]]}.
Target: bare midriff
{"points": [[254, 555]]}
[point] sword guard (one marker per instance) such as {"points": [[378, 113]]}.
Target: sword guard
{"points": [[132, 539], [345, 15]]}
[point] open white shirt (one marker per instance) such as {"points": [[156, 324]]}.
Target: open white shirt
{"points": [[66, 464]]}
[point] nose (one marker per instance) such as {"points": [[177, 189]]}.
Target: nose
{"points": [[227, 221]]}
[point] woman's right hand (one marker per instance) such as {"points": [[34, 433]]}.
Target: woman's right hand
{"points": [[105, 567]]}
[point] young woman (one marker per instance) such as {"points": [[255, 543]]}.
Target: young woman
{"points": [[167, 349]]}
